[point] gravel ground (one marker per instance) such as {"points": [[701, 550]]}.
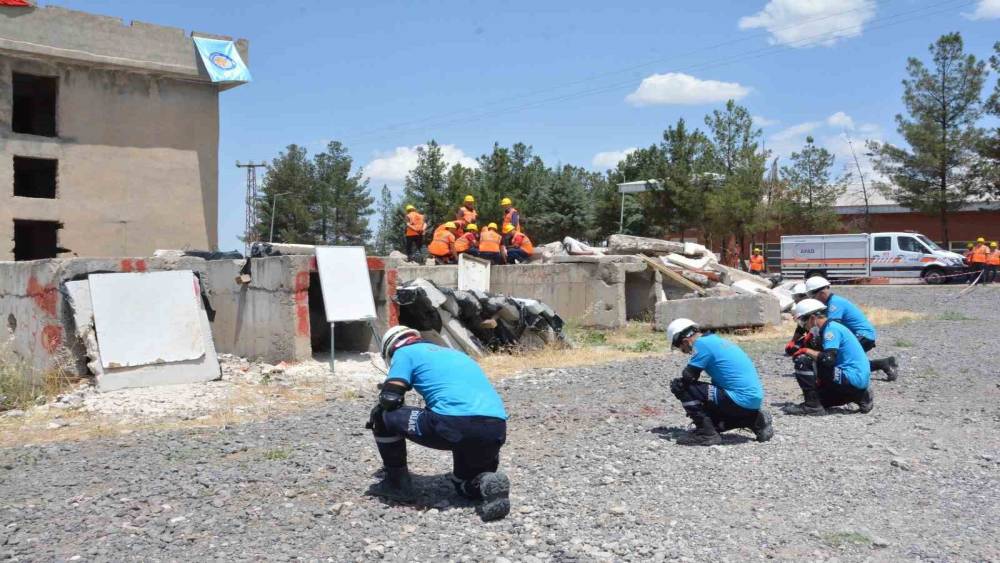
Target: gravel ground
{"points": [[596, 474]]}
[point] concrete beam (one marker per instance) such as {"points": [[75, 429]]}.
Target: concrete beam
{"points": [[739, 311]]}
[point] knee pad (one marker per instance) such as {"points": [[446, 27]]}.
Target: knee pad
{"points": [[804, 365], [679, 388]]}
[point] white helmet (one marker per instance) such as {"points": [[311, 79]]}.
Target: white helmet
{"points": [[393, 337], [678, 329], [799, 289], [808, 307], [815, 284]]}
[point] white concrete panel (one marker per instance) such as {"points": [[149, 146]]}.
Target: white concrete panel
{"points": [[473, 273], [347, 288], [147, 318]]}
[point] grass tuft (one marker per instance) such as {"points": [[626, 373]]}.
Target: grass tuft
{"points": [[954, 316], [902, 343], [277, 455], [846, 539], [21, 385]]}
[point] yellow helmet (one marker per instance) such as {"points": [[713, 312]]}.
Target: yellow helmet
{"points": [[508, 228], [970, 245], [980, 240], [492, 226], [756, 250], [410, 208], [993, 244], [450, 225], [506, 202], [471, 227], [470, 199]]}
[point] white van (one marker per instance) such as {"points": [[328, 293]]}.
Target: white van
{"points": [[888, 255]]}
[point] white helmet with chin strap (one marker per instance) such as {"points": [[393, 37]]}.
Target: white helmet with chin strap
{"points": [[808, 307], [679, 329], [815, 284], [393, 338]]}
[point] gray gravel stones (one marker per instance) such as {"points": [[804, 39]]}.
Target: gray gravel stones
{"points": [[595, 473]]}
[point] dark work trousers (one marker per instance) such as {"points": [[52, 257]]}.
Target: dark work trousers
{"points": [[867, 345], [414, 244], [493, 257], [978, 272], [991, 273], [833, 390], [474, 441], [699, 399], [516, 255], [472, 252]]}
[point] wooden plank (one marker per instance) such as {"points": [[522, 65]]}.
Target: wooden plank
{"points": [[673, 275]]}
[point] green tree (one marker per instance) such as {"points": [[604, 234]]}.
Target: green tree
{"points": [[388, 237], [460, 183], [811, 192], [427, 184], [343, 202], [633, 217], [289, 189], [563, 208], [988, 168], [936, 173]]}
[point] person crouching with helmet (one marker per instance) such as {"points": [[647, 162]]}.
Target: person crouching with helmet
{"points": [[735, 395], [464, 415], [802, 338], [842, 372]]}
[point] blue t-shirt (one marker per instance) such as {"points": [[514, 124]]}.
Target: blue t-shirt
{"points": [[730, 369], [852, 362], [841, 309], [450, 382]]}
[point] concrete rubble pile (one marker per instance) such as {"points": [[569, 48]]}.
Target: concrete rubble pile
{"points": [[476, 322]]}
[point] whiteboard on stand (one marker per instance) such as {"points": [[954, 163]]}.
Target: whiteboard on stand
{"points": [[346, 285]]}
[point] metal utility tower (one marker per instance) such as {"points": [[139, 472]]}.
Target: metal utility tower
{"points": [[250, 232]]}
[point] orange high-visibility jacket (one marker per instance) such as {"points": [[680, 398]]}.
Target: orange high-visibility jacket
{"points": [[508, 218], [415, 224], [979, 254], [521, 240], [994, 258], [469, 215], [465, 242], [756, 263], [489, 241], [442, 243]]}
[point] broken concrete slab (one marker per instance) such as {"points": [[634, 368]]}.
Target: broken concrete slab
{"points": [[695, 249], [685, 262], [748, 287], [627, 244], [576, 247], [732, 275], [458, 333], [436, 297], [78, 295], [739, 311]]}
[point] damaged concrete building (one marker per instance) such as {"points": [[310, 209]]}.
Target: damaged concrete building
{"points": [[109, 136]]}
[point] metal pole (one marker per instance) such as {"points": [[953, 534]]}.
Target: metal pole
{"points": [[274, 205], [333, 350], [621, 229]]}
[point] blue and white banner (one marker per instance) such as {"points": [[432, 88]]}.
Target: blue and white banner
{"points": [[222, 60]]}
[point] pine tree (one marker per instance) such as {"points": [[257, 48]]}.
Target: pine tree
{"points": [[936, 174], [343, 202], [988, 167], [387, 237], [426, 186], [811, 192], [289, 189], [564, 211]]}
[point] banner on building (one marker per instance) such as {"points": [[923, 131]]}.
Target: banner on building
{"points": [[222, 60]]}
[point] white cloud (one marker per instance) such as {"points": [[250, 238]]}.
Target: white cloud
{"points": [[393, 166], [796, 131], [761, 121], [807, 23], [840, 119], [679, 88], [610, 159], [985, 10]]}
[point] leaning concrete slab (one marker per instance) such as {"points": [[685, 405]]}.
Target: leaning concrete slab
{"points": [[738, 311], [627, 244]]}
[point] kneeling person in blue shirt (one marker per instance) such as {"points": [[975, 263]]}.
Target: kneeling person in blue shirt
{"points": [[464, 415], [842, 371], [735, 395]]}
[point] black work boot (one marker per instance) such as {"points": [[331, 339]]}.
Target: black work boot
{"points": [[810, 407], [891, 368], [494, 490], [396, 485], [704, 434], [762, 428], [867, 402]]}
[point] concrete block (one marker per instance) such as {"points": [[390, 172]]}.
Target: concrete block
{"points": [[695, 249], [473, 273], [573, 246], [588, 293], [748, 287], [732, 275], [738, 311], [627, 244], [434, 295], [453, 328], [685, 262], [441, 276]]}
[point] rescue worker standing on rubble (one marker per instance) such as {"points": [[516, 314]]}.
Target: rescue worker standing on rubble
{"points": [[464, 415], [490, 245], [992, 263], [442, 248], [978, 258], [511, 216], [842, 372], [415, 228], [468, 210], [517, 245], [842, 310], [757, 262], [469, 241], [733, 398]]}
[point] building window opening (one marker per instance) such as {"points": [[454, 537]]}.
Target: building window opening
{"points": [[35, 104], [35, 177], [36, 240]]}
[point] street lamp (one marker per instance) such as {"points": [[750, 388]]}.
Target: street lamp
{"points": [[274, 206]]}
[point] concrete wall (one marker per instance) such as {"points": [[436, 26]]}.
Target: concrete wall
{"points": [[592, 294], [138, 134]]}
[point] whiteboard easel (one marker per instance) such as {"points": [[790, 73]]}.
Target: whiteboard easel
{"points": [[346, 286]]}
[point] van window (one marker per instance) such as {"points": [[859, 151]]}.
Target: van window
{"points": [[910, 244], [883, 244]]}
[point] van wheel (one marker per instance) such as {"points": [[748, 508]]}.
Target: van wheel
{"points": [[933, 276]]}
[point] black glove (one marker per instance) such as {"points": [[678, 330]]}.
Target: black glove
{"points": [[677, 386], [374, 417]]}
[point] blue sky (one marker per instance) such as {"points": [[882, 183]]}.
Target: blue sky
{"points": [[581, 81]]}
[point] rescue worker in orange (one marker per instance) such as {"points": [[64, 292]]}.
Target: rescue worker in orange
{"points": [[980, 255], [992, 263], [967, 255], [511, 216], [442, 248], [468, 211], [468, 241], [490, 244], [517, 245], [757, 262], [415, 227]]}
